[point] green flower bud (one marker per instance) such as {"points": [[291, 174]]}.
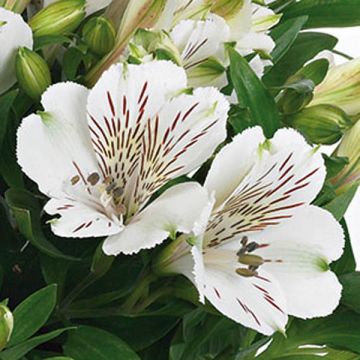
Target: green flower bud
{"points": [[156, 43], [341, 87], [99, 34], [6, 325], [349, 147], [32, 73], [59, 18], [225, 8], [17, 6], [321, 124]]}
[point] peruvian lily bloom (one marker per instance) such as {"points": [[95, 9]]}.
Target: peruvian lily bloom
{"points": [[105, 151], [14, 33], [92, 6], [261, 251]]}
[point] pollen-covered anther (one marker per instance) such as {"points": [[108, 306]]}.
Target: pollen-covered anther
{"points": [[75, 179], [251, 260], [246, 272], [93, 178]]}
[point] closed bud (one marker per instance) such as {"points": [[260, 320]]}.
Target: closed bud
{"points": [[6, 325], [99, 34], [59, 18], [349, 148], [341, 87], [321, 124], [32, 73], [17, 6], [225, 8], [156, 43]]}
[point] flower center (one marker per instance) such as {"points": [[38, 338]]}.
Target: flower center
{"points": [[252, 262], [110, 195]]}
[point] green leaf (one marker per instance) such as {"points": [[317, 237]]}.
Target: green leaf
{"points": [[72, 60], [88, 342], [340, 330], [46, 40], [6, 102], [339, 205], [33, 313], [346, 264], [305, 47], [139, 332], [253, 95], [59, 358], [18, 351], [284, 36], [27, 214], [326, 13], [351, 290], [315, 71]]}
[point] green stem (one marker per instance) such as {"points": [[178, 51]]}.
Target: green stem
{"points": [[140, 290], [78, 289], [346, 56]]}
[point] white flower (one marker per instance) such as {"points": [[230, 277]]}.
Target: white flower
{"points": [[263, 251], [92, 6], [100, 154], [201, 40], [14, 33]]}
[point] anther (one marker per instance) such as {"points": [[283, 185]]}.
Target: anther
{"points": [[246, 272], [118, 192], [93, 178], [75, 179], [110, 188], [252, 247], [252, 260], [120, 209]]}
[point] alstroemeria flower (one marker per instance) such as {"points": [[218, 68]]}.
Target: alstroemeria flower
{"points": [[14, 33], [100, 154], [246, 25], [92, 6], [262, 252]]}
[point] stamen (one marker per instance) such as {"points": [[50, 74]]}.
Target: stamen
{"points": [[75, 179], [246, 272], [121, 209], [93, 178], [117, 193], [251, 260]]}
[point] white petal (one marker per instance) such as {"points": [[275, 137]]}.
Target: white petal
{"points": [[177, 209], [256, 302], [190, 127], [263, 18], [14, 33], [200, 40], [240, 24], [255, 41], [120, 106], [233, 163], [258, 65], [92, 6], [54, 147], [301, 250], [287, 175], [79, 220]]}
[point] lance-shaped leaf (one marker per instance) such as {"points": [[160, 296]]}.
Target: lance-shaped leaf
{"points": [[253, 95]]}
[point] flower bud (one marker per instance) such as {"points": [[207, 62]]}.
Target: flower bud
{"points": [[99, 34], [341, 87], [59, 18], [321, 124], [17, 6], [156, 43], [6, 325], [32, 72], [349, 147], [225, 8]]}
